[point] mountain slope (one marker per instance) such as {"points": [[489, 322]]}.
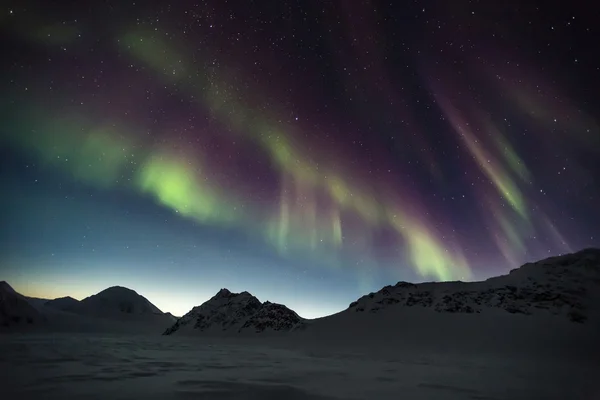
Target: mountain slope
{"points": [[236, 312], [36, 302], [566, 285], [114, 310], [117, 301], [548, 309], [63, 303], [272, 316], [15, 310]]}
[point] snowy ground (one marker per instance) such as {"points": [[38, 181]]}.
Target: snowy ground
{"points": [[76, 366]]}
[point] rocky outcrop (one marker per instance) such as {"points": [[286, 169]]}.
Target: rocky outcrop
{"points": [[236, 312], [274, 317]]}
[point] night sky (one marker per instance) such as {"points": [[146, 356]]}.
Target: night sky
{"points": [[306, 151]]}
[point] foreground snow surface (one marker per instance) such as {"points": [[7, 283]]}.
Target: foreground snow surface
{"points": [[74, 366]]}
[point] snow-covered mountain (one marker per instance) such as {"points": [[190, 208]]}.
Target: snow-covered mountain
{"points": [[64, 303], [15, 310], [117, 305], [567, 285], [116, 301], [36, 301], [236, 312], [116, 309], [563, 288]]}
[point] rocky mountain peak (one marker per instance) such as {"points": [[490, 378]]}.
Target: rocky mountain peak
{"points": [[236, 312], [223, 293]]}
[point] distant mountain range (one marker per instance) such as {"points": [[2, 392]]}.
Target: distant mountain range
{"points": [[565, 288], [116, 304]]}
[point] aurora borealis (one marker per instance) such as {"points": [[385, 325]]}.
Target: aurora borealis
{"points": [[305, 151]]}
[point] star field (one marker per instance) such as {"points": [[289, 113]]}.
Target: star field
{"points": [[307, 150]]}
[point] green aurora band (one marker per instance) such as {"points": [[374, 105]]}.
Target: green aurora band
{"points": [[107, 156], [295, 227], [115, 155]]}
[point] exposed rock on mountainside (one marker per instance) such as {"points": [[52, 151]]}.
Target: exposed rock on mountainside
{"points": [[236, 312], [567, 285], [276, 317]]}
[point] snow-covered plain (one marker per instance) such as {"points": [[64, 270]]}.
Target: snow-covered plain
{"points": [[532, 334], [78, 366]]}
